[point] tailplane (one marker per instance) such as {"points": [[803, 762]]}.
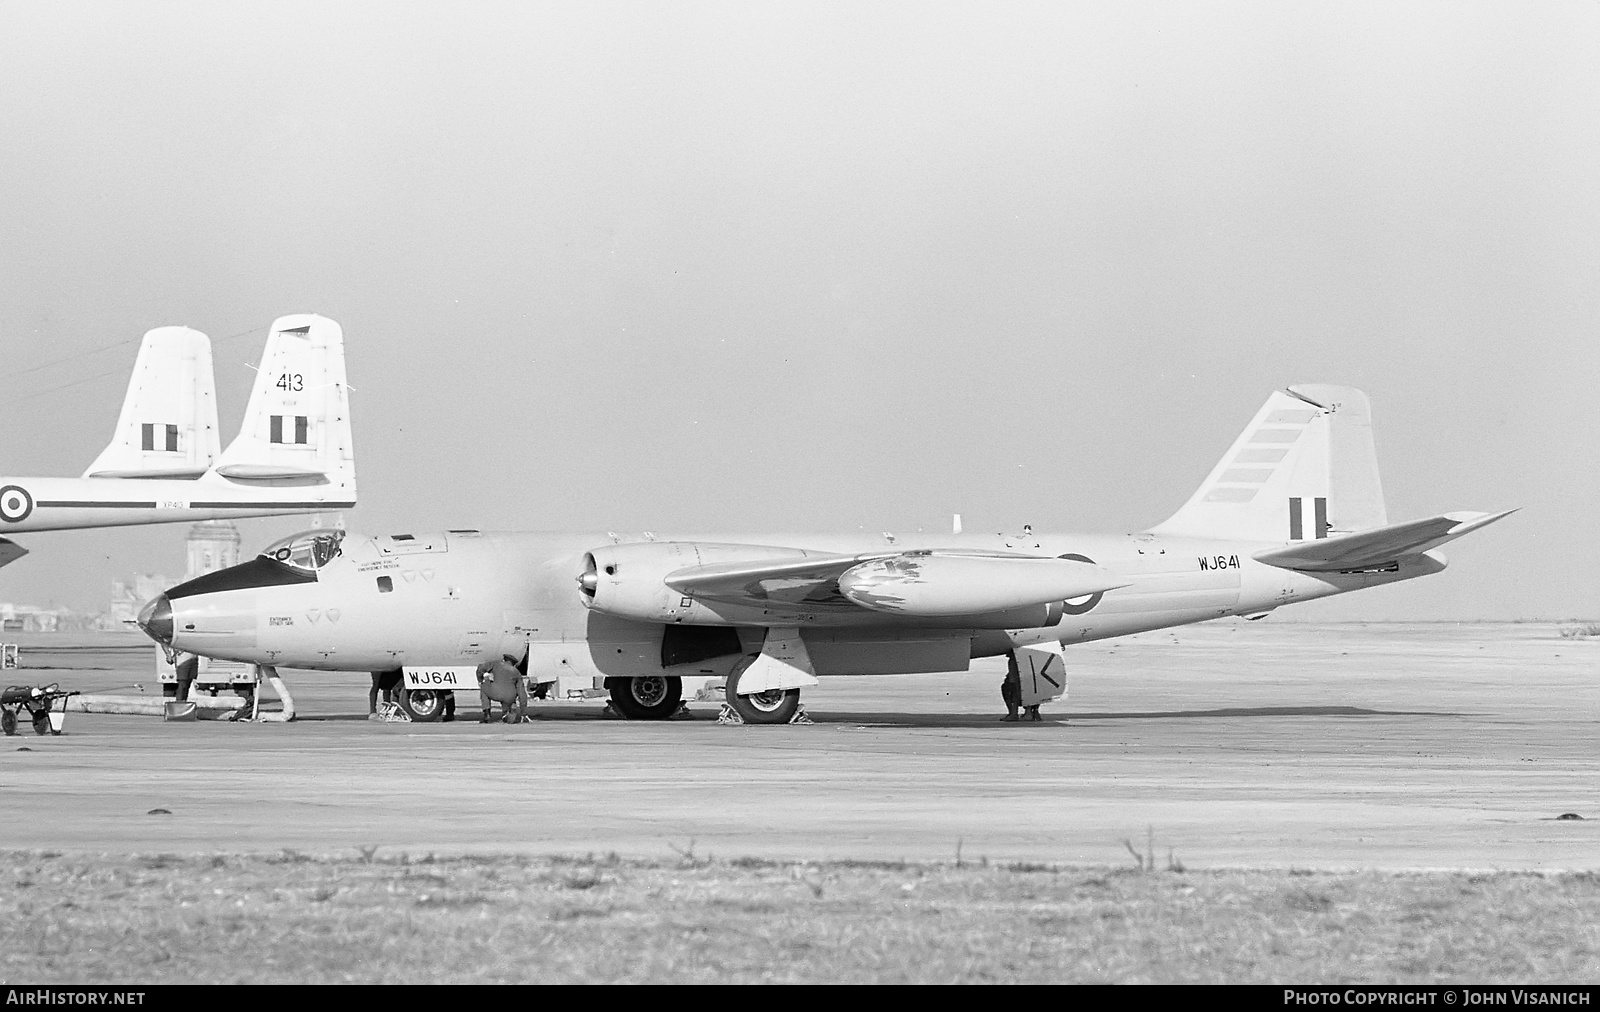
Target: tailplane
{"points": [[168, 425], [296, 429], [1304, 469]]}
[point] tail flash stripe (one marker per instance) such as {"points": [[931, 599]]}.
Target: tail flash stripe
{"points": [[1321, 506], [1295, 532]]}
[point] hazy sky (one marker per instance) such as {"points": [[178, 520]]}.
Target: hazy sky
{"points": [[681, 267]]}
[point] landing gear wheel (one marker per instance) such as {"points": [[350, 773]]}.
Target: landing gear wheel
{"points": [[8, 722], [775, 706], [423, 706], [653, 697]]}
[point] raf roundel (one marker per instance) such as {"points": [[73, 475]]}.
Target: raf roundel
{"points": [[15, 504], [1083, 605]]}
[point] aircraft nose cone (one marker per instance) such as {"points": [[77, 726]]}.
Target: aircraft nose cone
{"points": [[156, 620]]}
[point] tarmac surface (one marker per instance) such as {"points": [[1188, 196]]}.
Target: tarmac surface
{"points": [[1231, 744]]}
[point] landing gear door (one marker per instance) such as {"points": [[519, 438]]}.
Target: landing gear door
{"points": [[1043, 671]]}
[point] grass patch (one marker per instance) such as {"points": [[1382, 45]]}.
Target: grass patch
{"points": [[294, 917]]}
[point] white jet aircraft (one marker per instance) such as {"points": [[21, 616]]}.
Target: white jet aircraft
{"points": [[293, 453], [1294, 511]]}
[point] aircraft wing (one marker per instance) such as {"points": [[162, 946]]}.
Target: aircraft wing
{"points": [[1377, 547], [917, 583], [10, 551], [813, 579]]}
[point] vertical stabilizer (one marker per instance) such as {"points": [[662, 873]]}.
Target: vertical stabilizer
{"points": [[1305, 468], [296, 427], [168, 425]]}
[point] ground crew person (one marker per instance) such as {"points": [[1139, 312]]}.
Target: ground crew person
{"points": [[384, 684], [187, 670], [1011, 689], [500, 680]]}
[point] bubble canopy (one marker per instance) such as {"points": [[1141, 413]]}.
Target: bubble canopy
{"points": [[307, 551]]}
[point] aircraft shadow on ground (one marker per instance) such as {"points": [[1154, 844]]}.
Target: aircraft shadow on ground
{"points": [[911, 719], [986, 720]]}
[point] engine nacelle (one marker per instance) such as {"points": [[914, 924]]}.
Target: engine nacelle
{"points": [[940, 585], [629, 581]]}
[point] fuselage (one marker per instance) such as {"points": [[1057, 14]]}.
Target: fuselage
{"points": [[53, 504], [464, 597]]}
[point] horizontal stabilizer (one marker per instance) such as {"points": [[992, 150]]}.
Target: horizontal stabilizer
{"points": [[268, 472], [10, 551], [1379, 547]]}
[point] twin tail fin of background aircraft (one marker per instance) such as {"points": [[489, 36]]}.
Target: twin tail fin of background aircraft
{"points": [[293, 454], [168, 425], [296, 427]]}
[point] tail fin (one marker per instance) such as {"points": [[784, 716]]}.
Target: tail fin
{"points": [[1304, 468], [296, 427], [168, 425]]}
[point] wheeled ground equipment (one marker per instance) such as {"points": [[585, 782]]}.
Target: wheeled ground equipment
{"points": [[41, 702]]}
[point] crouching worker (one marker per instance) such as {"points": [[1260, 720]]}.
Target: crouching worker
{"points": [[500, 681]]}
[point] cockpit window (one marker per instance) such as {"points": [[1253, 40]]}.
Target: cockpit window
{"points": [[307, 551]]}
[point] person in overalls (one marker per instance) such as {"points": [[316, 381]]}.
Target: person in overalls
{"points": [[1011, 689], [501, 681]]}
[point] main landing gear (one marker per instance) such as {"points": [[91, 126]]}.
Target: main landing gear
{"points": [[651, 697], [774, 706], [422, 705]]}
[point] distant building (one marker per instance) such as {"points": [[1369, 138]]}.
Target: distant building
{"points": [[212, 545], [29, 618], [128, 596]]}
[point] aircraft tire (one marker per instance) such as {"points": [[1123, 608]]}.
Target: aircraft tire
{"points": [[424, 706], [777, 706], [653, 697]]}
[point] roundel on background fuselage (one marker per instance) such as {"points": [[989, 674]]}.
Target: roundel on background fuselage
{"points": [[15, 504]]}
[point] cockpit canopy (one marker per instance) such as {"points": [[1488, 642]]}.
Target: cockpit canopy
{"points": [[307, 551]]}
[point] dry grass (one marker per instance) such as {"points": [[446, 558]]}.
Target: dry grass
{"points": [[376, 917]]}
